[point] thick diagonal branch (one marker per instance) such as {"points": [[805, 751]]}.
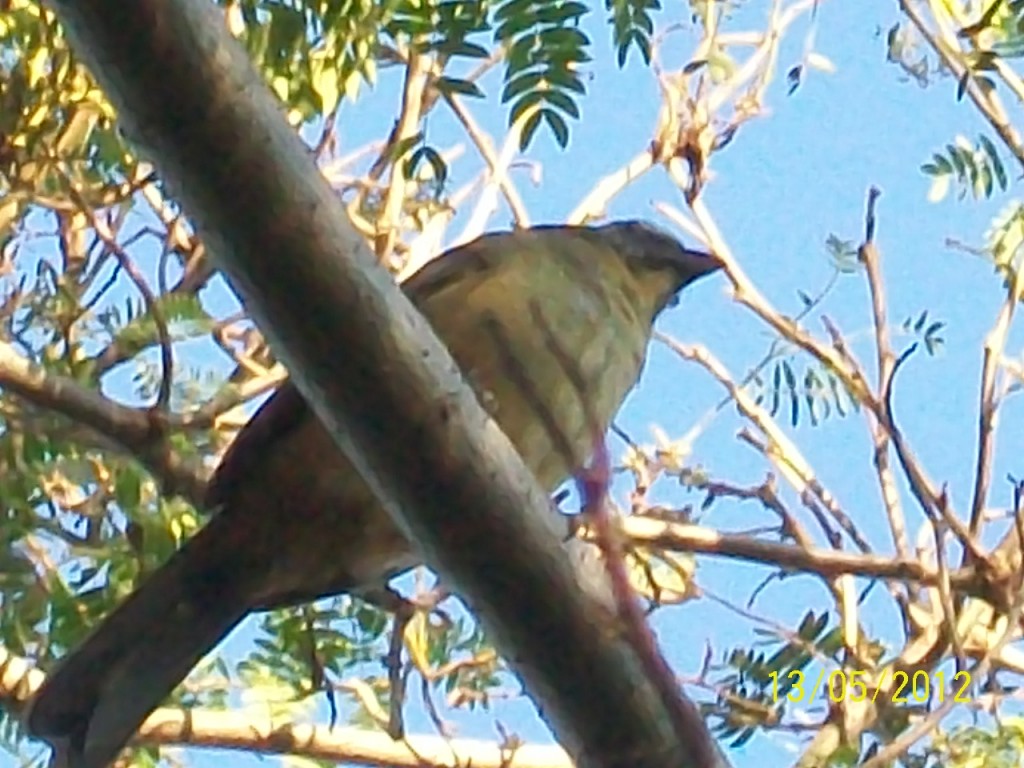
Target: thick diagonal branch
{"points": [[370, 366]]}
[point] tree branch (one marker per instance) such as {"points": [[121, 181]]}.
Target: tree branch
{"points": [[131, 429], [886, 360], [394, 401], [828, 564], [254, 730]]}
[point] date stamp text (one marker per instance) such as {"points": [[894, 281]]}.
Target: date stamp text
{"points": [[857, 685]]}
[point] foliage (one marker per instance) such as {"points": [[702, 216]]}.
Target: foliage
{"points": [[965, 747], [313, 53], [818, 392], [976, 170], [545, 49], [758, 686]]}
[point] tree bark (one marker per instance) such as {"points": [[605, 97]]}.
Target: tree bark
{"points": [[370, 366]]}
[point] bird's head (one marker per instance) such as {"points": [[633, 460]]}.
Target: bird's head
{"points": [[661, 266]]}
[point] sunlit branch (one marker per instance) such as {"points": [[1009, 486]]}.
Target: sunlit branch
{"points": [[886, 361]]}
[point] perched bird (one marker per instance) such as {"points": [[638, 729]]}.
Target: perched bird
{"points": [[550, 326]]}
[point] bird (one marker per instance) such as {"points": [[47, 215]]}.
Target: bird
{"points": [[549, 325]]}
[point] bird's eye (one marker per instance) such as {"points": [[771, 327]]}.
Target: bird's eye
{"points": [[673, 301]]}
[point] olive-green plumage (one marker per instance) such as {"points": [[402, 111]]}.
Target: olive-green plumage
{"points": [[550, 326]]}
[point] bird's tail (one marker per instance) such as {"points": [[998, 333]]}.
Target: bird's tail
{"points": [[99, 695]]}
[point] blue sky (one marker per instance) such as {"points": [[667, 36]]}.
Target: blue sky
{"points": [[785, 183]]}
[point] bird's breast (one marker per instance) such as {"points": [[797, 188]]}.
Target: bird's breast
{"points": [[551, 366]]}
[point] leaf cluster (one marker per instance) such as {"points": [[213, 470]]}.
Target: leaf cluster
{"points": [[974, 169], [754, 685], [817, 392]]}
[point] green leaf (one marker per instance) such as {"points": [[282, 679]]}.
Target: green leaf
{"points": [[561, 13], [921, 320], [642, 43], [994, 160], [564, 37], [457, 85], [431, 156], [943, 164], [558, 127], [521, 84], [286, 30], [325, 83], [529, 128], [513, 28], [522, 54], [128, 488], [565, 79], [776, 389], [563, 102], [528, 100], [460, 48], [514, 9]]}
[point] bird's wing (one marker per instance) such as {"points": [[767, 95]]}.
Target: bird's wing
{"points": [[286, 409], [281, 414]]}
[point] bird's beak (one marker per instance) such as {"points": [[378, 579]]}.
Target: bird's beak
{"points": [[693, 265]]}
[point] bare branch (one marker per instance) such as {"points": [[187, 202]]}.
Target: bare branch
{"points": [[594, 204], [791, 462], [828, 564], [256, 731], [927, 725], [869, 257], [989, 401], [417, 75], [497, 166], [486, 205]]}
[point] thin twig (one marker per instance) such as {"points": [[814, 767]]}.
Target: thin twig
{"points": [[127, 264], [825, 563], [886, 360], [843, 366], [989, 401], [595, 204], [417, 76], [791, 461], [498, 166]]}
